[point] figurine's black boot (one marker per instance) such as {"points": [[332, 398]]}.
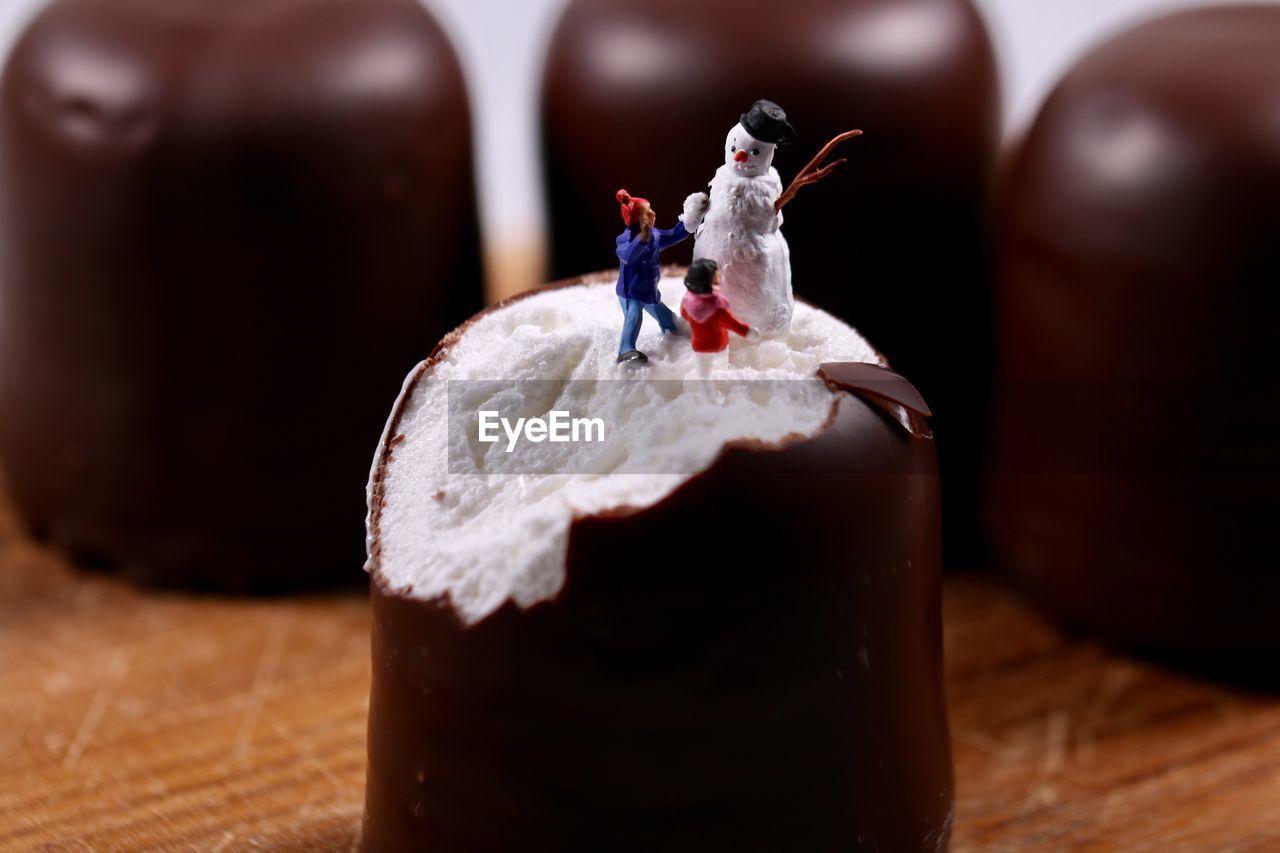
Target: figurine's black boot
{"points": [[632, 355]]}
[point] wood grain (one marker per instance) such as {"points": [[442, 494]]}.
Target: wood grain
{"points": [[140, 720]]}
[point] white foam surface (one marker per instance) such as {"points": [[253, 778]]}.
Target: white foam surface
{"points": [[484, 538]]}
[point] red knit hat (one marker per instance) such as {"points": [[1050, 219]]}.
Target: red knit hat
{"points": [[630, 205]]}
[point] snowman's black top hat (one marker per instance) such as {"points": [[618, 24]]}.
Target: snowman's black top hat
{"points": [[767, 122]]}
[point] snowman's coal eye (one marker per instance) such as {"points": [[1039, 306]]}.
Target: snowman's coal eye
{"points": [[732, 148], [755, 151]]}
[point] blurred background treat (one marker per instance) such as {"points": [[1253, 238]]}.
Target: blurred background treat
{"points": [[1135, 475], [226, 232], [642, 95]]}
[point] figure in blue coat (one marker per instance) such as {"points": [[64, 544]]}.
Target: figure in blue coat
{"points": [[638, 249]]}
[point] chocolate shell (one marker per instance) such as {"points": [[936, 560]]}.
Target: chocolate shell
{"points": [[226, 229], [1135, 479], [641, 95], [683, 692]]}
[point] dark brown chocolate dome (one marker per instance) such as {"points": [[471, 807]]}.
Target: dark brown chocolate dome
{"points": [[227, 230], [1135, 485]]}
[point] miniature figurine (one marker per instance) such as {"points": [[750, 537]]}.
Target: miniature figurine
{"points": [[638, 249], [743, 227], [706, 309]]}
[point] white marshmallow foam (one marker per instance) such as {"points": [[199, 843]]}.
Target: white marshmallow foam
{"points": [[485, 539]]}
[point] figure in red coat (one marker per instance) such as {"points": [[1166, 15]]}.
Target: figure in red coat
{"points": [[707, 311]]}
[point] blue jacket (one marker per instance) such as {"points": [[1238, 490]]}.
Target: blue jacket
{"points": [[638, 278]]}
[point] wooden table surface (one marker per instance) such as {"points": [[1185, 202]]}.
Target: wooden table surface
{"points": [[136, 720]]}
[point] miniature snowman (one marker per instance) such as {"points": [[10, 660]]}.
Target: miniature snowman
{"points": [[742, 230], [742, 227]]}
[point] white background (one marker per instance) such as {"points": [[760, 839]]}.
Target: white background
{"points": [[501, 42]]}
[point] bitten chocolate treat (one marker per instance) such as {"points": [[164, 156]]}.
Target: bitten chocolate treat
{"points": [[718, 629], [1135, 481], [226, 230], [641, 94]]}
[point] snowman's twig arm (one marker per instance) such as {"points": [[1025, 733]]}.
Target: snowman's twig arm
{"points": [[811, 173]]}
